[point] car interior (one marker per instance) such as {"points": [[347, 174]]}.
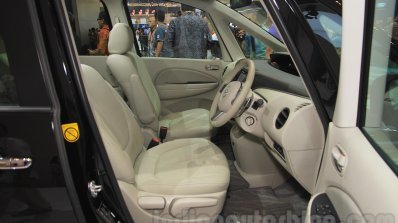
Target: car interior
{"points": [[259, 111], [243, 136]]}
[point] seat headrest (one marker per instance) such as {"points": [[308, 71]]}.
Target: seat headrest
{"points": [[121, 39]]}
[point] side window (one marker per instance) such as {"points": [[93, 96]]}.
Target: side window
{"points": [[91, 26], [252, 47], [255, 48], [380, 121], [174, 30], [8, 91], [326, 24]]}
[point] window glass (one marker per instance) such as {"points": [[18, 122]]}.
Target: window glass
{"points": [[91, 26], [256, 13], [8, 91], [381, 105], [252, 47], [256, 49], [168, 29], [325, 24]]}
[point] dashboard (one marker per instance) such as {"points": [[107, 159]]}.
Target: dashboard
{"points": [[290, 129]]}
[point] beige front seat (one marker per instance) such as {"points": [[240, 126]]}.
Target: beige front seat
{"points": [[132, 74], [184, 180]]}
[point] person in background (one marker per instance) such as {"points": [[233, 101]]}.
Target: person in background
{"points": [[274, 32], [188, 35], [255, 48], [157, 35], [137, 37], [93, 38], [143, 41], [103, 35]]}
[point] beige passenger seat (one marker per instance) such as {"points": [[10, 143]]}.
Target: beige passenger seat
{"points": [[184, 180], [137, 84]]}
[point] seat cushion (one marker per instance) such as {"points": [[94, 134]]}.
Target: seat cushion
{"points": [[183, 167], [194, 123]]}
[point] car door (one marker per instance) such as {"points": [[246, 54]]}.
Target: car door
{"points": [[35, 182], [358, 181], [99, 197]]}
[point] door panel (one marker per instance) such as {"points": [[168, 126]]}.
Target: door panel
{"points": [[28, 129], [175, 91], [185, 83], [364, 180], [39, 191]]}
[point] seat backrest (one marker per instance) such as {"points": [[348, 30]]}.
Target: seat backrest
{"points": [[132, 74], [117, 125]]}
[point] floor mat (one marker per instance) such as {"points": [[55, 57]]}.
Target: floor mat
{"points": [[292, 192], [286, 203], [249, 201], [236, 180], [223, 141]]}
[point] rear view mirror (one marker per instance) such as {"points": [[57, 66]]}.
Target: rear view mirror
{"points": [[240, 3]]}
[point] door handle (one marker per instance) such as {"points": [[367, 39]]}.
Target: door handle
{"points": [[15, 163], [340, 159], [212, 67]]}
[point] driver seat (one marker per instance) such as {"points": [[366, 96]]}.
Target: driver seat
{"points": [[131, 73], [181, 181]]}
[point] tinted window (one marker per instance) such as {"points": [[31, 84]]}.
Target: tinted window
{"points": [[325, 20], [91, 25], [8, 91], [326, 24]]}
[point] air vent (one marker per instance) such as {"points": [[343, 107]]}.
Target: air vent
{"points": [[302, 106], [282, 118]]}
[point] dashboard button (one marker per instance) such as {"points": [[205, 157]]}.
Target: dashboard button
{"points": [[249, 120], [258, 104]]}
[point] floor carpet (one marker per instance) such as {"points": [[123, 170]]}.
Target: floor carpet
{"points": [[286, 203]]}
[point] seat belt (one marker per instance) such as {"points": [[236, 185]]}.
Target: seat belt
{"points": [[162, 133]]}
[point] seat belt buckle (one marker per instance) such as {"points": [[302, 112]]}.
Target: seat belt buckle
{"points": [[162, 133], [154, 142]]}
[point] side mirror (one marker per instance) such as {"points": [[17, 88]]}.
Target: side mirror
{"points": [[240, 3]]}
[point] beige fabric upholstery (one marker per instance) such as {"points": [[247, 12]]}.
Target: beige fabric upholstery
{"points": [[147, 90], [187, 124], [144, 104], [116, 124], [121, 41], [132, 74], [182, 174], [165, 169]]}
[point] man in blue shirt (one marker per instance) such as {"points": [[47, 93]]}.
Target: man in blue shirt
{"points": [[157, 35]]}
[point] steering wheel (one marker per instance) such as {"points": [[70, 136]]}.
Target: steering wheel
{"points": [[232, 94]]}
